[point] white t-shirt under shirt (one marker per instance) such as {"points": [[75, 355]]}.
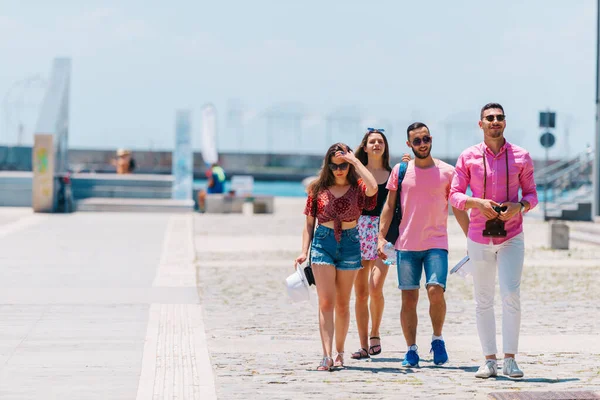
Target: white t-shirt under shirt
{"points": [[424, 199]]}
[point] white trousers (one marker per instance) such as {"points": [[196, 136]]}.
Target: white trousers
{"points": [[508, 259]]}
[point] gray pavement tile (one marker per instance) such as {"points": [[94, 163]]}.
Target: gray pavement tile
{"points": [[263, 345]]}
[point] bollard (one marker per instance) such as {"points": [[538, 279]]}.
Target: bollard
{"points": [[559, 236], [247, 208]]}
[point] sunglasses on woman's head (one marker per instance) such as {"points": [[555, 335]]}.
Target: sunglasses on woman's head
{"points": [[342, 167], [417, 141], [499, 117], [370, 130]]}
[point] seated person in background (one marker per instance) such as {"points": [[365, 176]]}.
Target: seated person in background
{"points": [[216, 179], [124, 162], [215, 184]]}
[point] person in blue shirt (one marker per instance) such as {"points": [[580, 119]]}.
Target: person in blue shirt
{"points": [[216, 184], [216, 179]]}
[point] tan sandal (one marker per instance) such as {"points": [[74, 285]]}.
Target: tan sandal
{"points": [[326, 364], [339, 363]]}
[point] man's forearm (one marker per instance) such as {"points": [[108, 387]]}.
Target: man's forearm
{"points": [[472, 202], [462, 217], [384, 220]]}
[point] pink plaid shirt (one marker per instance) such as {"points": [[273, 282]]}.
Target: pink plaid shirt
{"points": [[470, 172]]}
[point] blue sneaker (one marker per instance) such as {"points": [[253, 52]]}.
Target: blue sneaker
{"points": [[411, 359], [438, 348]]}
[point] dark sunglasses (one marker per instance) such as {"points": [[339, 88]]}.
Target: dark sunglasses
{"points": [[499, 117], [417, 141], [342, 167], [375, 130]]}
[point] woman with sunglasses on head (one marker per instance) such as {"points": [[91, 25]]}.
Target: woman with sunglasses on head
{"points": [[335, 200], [374, 153]]}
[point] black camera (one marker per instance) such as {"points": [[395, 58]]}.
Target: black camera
{"points": [[500, 209], [494, 228]]}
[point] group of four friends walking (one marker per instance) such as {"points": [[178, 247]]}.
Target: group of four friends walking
{"points": [[352, 204]]}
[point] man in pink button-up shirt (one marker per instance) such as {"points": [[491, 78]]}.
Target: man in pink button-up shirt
{"points": [[495, 170]]}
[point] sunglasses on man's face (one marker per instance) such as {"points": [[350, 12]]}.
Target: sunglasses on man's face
{"points": [[499, 118], [370, 130], [417, 141], [342, 167]]}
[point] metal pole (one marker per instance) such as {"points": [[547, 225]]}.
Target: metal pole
{"points": [[546, 181], [596, 172]]}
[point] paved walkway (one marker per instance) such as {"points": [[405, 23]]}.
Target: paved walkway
{"points": [[158, 306], [263, 346], [100, 306]]}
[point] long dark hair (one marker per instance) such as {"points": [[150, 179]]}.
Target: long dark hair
{"points": [[362, 155], [326, 177]]}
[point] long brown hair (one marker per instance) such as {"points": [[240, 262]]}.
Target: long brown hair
{"points": [[326, 177], [362, 155]]}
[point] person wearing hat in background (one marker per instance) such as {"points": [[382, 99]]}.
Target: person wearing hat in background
{"points": [[124, 162], [215, 184], [216, 179]]}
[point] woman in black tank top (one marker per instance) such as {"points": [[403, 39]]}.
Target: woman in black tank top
{"points": [[374, 153]]}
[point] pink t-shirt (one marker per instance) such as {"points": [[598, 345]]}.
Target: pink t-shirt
{"points": [[424, 199]]}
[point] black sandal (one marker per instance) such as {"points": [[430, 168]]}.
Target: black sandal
{"points": [[371, 348], [360, 354]]}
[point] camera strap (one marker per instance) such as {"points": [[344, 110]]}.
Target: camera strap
{"points": [[485, 173]]}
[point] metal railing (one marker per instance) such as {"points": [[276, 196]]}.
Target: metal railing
{"points": [[567, 180]]}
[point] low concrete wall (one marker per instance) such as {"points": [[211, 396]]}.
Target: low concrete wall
{"points": [[15, 187], [131, 186]]}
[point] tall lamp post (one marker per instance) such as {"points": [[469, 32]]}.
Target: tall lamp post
{"points": [[596, 173]]}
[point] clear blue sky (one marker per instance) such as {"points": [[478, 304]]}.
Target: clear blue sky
{"points": [[135, 62]]}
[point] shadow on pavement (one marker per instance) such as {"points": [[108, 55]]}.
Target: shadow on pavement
{"points": [[451, 367], [376, 370], [535, 380]]}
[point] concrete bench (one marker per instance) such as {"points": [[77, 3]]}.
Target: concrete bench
{"points": [[227, 204], [223, 204], [263, 204]]}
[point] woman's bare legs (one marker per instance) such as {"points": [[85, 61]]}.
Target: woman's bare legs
{"points": [[343, 282], [377, 277], [325, 280], [361, 305]]}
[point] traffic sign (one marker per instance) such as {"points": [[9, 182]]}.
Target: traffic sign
{"points": [[547, 119], [547, 140]]}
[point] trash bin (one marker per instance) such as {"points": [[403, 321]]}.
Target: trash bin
{"points": [[559, 236]]}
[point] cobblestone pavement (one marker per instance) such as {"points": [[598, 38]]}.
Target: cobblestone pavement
{"points": [[264, 346]]}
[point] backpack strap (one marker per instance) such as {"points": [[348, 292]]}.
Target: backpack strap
{"points": [[401, 173]]}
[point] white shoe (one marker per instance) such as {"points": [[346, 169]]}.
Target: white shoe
{"points": [[490, 368], [510, 368]]}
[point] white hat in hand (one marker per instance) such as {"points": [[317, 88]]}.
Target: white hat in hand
{"points": [[297, 286]]}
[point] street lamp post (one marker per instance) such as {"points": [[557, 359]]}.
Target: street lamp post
{"points": [[596, 173]]}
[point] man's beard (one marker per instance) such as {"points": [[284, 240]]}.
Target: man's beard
{"points": [[418, 155], [496, 133]]}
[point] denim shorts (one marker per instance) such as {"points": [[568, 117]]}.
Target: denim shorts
{"points": [[410, 265], [344, 255]]}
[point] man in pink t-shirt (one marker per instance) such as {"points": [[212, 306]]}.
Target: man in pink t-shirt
{"points": [[423, 240]]}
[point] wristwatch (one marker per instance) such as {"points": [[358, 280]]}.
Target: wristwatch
{"points": [[522, 206]]}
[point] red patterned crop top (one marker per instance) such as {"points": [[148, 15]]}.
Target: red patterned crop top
{"points": [[346, 208]]}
